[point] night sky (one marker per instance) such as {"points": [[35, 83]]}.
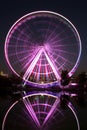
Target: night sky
{"points": [[74, 10]]}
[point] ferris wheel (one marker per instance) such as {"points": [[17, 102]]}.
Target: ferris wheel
{"points": [[40, 45], [37, 48]]}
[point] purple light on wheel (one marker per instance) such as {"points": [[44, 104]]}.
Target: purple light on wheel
{"points": [[40, 45], [41, 69]]}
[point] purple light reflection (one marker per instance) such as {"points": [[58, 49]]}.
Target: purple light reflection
{"points": [[31, 111], [72, 109], [41, 107]]}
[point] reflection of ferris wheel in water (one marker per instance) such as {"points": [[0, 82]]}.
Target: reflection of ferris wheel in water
{"points": [[42, 108], [40, 45]]}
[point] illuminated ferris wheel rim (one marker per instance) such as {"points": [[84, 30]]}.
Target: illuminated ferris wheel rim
{"points": [[35, 13]]}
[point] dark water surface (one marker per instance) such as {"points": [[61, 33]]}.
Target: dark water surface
{"points": [[19, 118]]}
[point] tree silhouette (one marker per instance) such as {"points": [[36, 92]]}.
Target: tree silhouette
{"points": [[65, 79]]}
